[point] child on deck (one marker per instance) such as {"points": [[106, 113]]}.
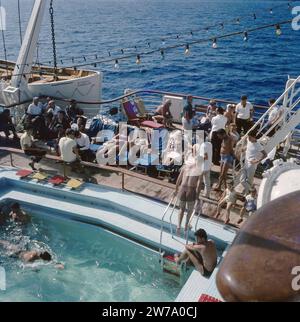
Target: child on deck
{"points": [[250, 205], [229, 197]]}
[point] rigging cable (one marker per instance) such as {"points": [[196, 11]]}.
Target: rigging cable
{"points": [[3, 39], [20, 23], [51, 11]]}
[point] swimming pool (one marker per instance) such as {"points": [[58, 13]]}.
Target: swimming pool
{"points": [[99, 265]]}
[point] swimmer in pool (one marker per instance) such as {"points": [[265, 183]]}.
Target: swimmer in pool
{"points": [[18, 215], [28, 256]]}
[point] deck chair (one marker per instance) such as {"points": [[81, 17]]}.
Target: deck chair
{"points": [[139, 103], [131, 111], [74, 184]]}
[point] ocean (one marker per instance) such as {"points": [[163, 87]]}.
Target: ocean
{"points": [[258, 67]]}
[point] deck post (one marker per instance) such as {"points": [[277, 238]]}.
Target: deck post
{"points": [[11, 159], [123, 181]]}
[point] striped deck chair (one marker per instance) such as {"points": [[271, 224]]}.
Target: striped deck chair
{"points": [[131, 111]]}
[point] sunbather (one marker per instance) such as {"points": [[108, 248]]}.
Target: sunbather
{"points": [[163, 114]]}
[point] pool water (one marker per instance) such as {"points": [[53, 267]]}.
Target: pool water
{"points": [[99, 265]]}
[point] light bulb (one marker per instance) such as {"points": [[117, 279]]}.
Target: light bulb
{"points": [[187, 49], [162, 54], [138, 59], [238, 21], [278, 30], [163, 42], [254, 16], [117, 64], [246, 36], [271, 11], [215, 45]]}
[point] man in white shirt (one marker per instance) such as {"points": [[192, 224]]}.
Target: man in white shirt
{"points": [[254, 155], [273, 117], [206, 154], [68, 148], [83, 145], [30, 149], [35, 108], [244, 114], [218, 122], [35, 118]]}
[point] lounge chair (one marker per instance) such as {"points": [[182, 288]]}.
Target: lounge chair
{"points": [[131, 111]]}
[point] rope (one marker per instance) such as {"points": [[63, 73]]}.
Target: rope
{"points": [[51, 11], [20, 23], [4, 42]]}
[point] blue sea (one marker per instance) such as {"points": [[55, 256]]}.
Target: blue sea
{"points": [[258, 68]]}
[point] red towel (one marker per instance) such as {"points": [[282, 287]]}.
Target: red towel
{"points": [[57, 180], [24, 173], [208, 298]]}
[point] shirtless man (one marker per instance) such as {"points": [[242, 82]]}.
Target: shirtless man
{"points": [[163, 114], [18, 215], [203, 254], [28, 256], [188, 187], [227, 157]]}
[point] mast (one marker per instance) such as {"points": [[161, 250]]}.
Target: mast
{"points": [[24, 63]]}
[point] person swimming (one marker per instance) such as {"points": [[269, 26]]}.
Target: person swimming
{"points": [[18, 215], [28, 256]]}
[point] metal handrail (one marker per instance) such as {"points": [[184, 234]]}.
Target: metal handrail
{"points": [[270, 109], [163, 219]]}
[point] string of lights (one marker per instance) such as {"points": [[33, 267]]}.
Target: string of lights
{"points": [[186, 46], [148, 43]]}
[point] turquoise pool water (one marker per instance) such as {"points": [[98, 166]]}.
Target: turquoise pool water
{"points": [[99, 266]]}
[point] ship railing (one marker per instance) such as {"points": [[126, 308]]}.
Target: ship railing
{"points": [[289, 102]]}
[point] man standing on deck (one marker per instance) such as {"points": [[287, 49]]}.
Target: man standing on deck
{"points": [[188, 186], [244, 114], [254, 155], [188, 114]]}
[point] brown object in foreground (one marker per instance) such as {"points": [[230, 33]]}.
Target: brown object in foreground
{"points": [[258, 266]]}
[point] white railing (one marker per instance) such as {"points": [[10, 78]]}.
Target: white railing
{"points": [[289, 101]]}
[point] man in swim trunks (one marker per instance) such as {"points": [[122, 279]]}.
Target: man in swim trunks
{"points": [[202, 254], [188, 187], [29, 256], [250, 205], [227, 157]]}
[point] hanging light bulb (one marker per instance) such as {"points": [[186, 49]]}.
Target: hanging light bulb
{"points": [[206, 29], [84, 58], [187, 49], [163, 42], [162, 53], [95, 65], [96, 56], [191, 33], [62, 62], [109, 54], [149, 45], [238, 21], [135, 47], [73, 59], [222, 26], [246, 37], [215, 45], [117, 64], [138, 59], [278, 30], [271, 11], [122, 51], [254, 16]]}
